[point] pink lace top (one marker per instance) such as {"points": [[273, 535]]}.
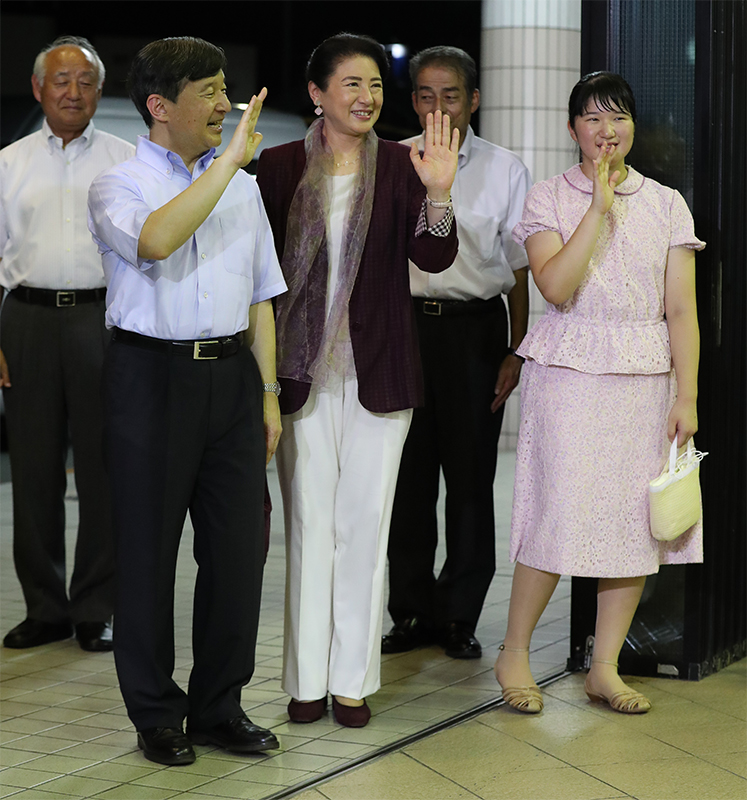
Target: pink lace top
{"points": [[614, 322]]}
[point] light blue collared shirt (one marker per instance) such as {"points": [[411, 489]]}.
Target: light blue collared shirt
{"points": [[204, 289]]}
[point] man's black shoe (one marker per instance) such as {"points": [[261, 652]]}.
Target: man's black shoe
{"points": [[33, 632], [407, 635], [167, 746], [95, 637], [459, 641], [239, 735]]}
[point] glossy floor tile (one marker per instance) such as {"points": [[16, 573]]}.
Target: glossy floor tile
{"points": [[687, 748], [64, 731]]}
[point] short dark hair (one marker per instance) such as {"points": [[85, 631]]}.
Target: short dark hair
{"points": [[326, 57], [448, 57], [609, 90], [166, 66]]}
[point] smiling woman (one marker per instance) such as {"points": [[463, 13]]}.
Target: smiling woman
{"points": [[351, 103], [347, 210], [602, 118], [612, 253]]}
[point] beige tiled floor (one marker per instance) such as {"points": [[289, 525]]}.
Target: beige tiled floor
{"points": [[691, 746], [64, 732]]}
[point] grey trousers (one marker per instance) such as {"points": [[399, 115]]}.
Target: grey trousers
{"points": [[55, 357]]}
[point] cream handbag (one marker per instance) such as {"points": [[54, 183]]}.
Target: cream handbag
{"points": [[674, 497]]}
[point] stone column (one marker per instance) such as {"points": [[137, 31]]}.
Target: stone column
{"points": [[531, 55]]}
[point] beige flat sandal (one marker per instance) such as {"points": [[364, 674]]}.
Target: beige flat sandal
{"points": [[526, 699], [626, 702]]}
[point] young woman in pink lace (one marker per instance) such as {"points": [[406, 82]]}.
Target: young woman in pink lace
{"points": [[612, 253]]}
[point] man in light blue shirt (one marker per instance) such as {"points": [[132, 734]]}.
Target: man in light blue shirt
{"points": [[190, 392]]}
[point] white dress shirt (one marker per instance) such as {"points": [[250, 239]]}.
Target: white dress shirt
{"points": [[44, 239], [488, 195], [204, 289]]}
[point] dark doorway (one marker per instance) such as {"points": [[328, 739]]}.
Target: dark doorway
{"points": [[685, 60]]}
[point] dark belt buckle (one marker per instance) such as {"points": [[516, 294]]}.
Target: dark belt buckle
{"points": [[432, 307], [197, 354], [65, 299]]}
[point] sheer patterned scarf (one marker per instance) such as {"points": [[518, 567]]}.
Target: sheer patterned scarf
{"points": [[307, 344]]}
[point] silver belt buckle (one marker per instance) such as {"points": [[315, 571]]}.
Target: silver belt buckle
{"points": [[65, 299], [432, 307], [196, 350]]}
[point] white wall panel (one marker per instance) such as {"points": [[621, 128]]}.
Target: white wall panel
{"points": [[531, 14], [531, 51]]}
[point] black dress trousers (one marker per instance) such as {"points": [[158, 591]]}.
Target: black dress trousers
{"points": [[55, 358], [185, 435], [455, 432]]}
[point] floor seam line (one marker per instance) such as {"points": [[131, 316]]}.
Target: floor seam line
{"points": [[400, 744]]}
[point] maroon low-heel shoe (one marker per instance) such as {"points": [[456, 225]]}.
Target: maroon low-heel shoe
{"points": [[306, 712], [351, 716]]}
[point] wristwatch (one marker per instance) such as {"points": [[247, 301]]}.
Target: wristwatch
{"points": [[513, 352], [272, 387]]}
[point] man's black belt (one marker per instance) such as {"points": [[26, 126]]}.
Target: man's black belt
{"points": [[198, 349], [57, 298], [449, 308]]}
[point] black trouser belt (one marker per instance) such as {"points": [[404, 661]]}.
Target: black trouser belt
{"points": [[58, 299], [446, 308], [198, 349]]}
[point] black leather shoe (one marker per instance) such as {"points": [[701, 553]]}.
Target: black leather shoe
{"points": [[33, 632], [407, 635], [96, 637], [459, 641], [239, 735], [167, 746]]}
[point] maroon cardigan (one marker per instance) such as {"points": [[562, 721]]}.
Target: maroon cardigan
{"points": [[382, 324]]}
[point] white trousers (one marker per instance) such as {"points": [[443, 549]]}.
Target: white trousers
{"points": [[338, 465]]}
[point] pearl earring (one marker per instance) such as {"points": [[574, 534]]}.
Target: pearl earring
{"points": [[318, 110]]}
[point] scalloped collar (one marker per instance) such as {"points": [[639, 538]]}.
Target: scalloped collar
{"points": [[632, 183]]}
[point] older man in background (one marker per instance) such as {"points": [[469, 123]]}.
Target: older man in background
{"points": [[53, 340], [469, 370]]}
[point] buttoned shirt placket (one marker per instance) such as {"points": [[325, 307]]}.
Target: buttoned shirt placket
{"points": [[206, 247], [66, 158]]}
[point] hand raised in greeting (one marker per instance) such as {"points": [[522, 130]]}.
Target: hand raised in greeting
{"points": [[437, 166], [603, 193], [245, 139]]}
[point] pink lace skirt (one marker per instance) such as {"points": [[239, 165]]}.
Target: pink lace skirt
{"points": [[588, 446]]}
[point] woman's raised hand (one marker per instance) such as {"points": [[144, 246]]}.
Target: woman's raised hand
{"points": [[245, 139], [603, 194], [437, 166]]}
